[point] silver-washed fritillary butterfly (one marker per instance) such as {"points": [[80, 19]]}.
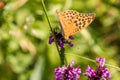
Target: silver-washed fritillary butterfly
{"points": [[72, 21]]}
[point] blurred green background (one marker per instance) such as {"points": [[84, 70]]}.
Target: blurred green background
{"points": [[24, 32]]}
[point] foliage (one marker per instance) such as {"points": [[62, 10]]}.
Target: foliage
{"points": [[24, 32]]}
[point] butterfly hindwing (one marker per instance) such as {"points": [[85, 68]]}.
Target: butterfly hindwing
{"points": [[73, 21]]}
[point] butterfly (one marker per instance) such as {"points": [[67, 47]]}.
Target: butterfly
{"points": [[72, 22]]}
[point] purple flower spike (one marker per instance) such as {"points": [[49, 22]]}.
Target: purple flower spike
{"points": [[71, 37], [68, 72], [89, 72], [51, 39], [61, 44], [72, 63], [101, 73], [60, 40], [106, 73], [70, 44], [101, 61]]}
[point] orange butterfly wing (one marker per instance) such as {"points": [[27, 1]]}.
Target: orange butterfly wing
{"points": [[72, 21]]}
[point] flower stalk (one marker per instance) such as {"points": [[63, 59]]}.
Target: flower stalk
{"points": [[61, 50]]}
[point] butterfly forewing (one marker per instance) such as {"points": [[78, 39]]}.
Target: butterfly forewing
{"points": [[73, 21]]}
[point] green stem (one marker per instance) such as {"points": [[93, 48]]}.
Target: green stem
{"points": [[117, 68], [44, 8], [113, 66], [83, 57], [62, 55]]}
